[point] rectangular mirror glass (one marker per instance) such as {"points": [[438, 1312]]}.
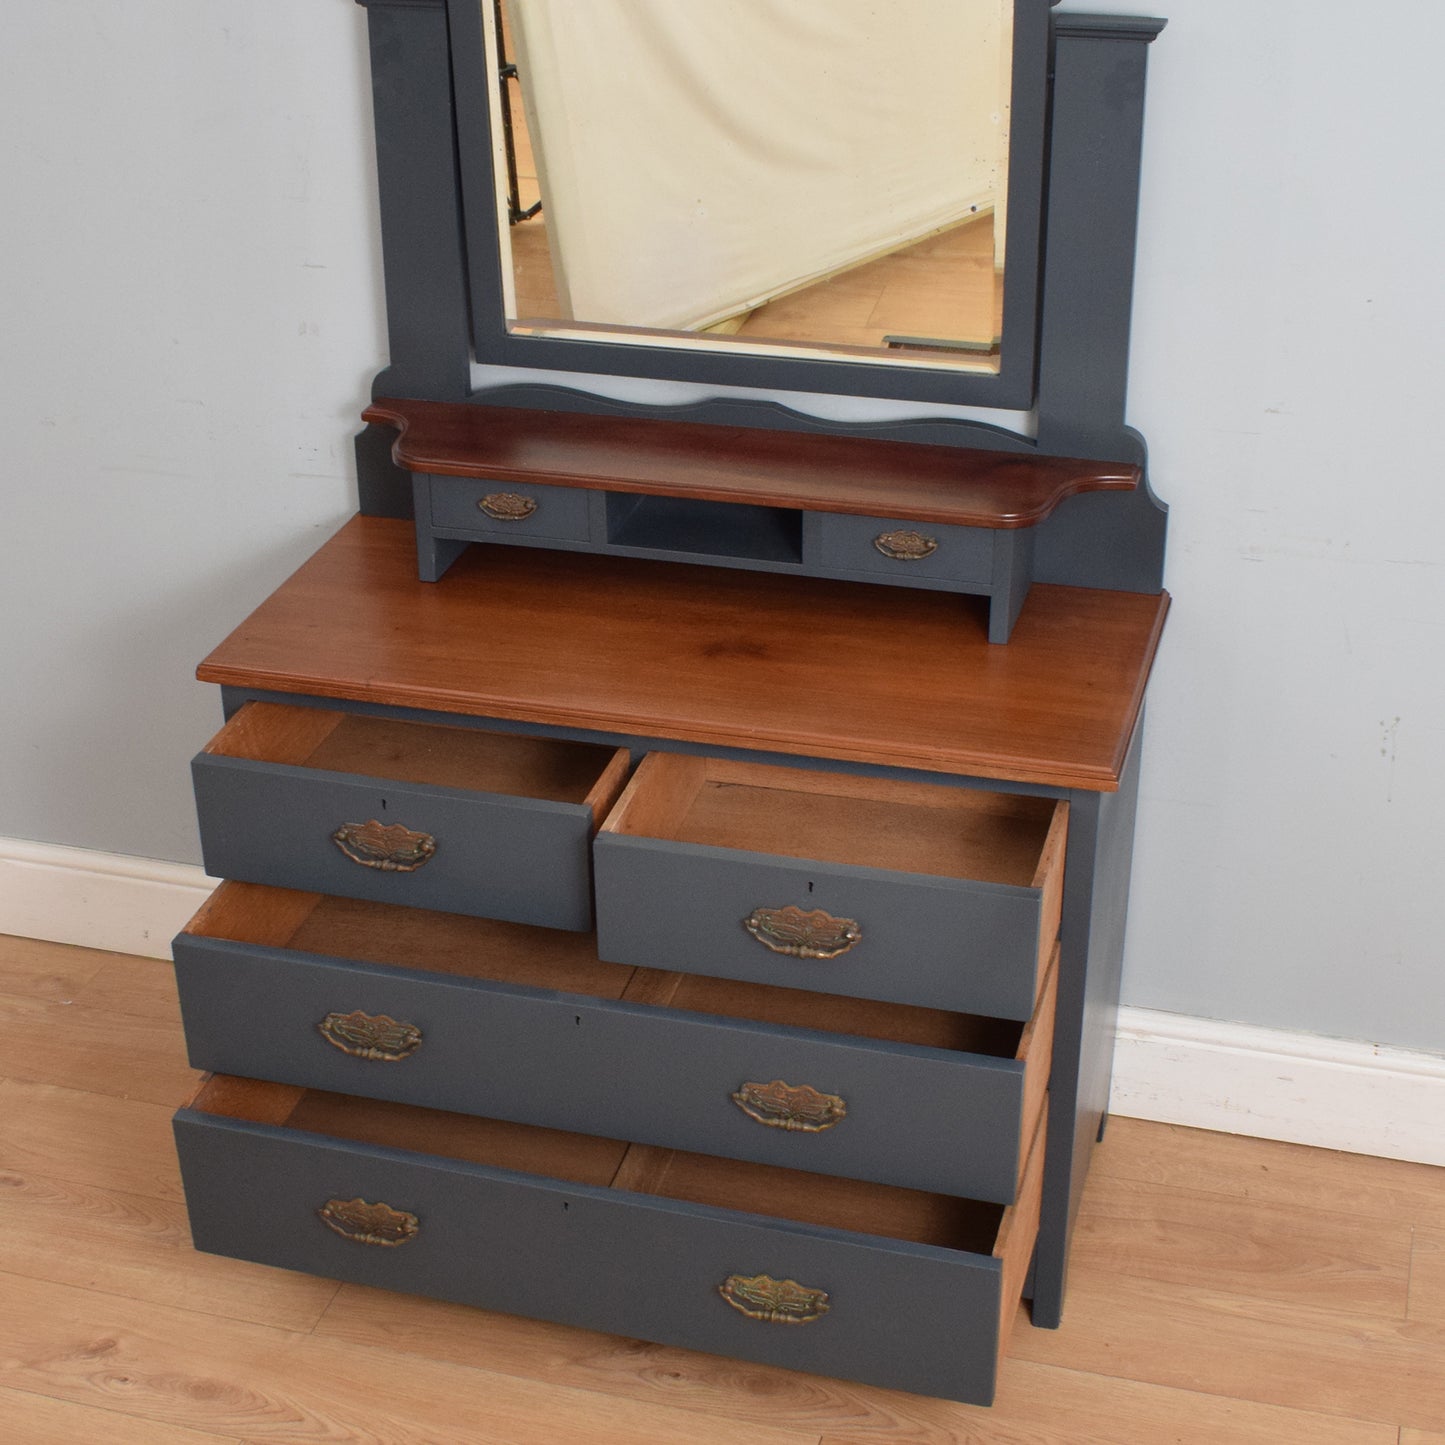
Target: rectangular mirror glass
{"points": [[769, 181]]}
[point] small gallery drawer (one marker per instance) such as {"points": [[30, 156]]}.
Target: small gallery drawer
{"points": [[527, 1024], [433, 817], [508, 511], [907, 551], [917, 893], [891, 1287]]}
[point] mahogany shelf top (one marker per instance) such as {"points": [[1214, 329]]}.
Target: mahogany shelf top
{"points": [[721, 658], [811, 473]]}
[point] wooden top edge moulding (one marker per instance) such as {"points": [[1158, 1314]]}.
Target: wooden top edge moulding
{"points": [[812, 473], [712, 657]]}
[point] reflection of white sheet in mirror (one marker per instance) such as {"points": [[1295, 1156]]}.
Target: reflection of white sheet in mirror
{"points": [[698, 158]]}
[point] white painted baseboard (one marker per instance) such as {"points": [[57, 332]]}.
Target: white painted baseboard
{"points": [[96, 900], [1343, 1094], [1234, 1078]]}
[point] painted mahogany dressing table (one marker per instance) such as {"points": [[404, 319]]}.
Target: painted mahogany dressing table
{"points": [[720, 955]]}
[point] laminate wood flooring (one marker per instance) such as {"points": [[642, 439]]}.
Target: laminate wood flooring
{"points": [[1224, 1291]]}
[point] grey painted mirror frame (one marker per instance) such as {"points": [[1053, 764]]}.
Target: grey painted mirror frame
{"points": [[1011, 386]]}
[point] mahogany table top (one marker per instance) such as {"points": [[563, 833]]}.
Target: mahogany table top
{"points": [[720, 658]]}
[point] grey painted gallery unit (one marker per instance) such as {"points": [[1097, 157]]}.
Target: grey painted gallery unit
{"points": [[722, 955]]}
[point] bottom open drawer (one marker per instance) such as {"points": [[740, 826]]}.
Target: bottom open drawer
{"points": [[887, 1286]]}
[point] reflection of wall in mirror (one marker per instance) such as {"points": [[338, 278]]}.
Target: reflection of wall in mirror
{"points": [[698, 157]]}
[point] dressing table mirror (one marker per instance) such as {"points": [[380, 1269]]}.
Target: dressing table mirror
{"points": [[637, 917], [715, 184]]}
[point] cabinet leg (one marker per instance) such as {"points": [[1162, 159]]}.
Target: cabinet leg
{"points": [[1103, 1124]]}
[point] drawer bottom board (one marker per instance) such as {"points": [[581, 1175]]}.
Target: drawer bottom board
{"points": [[917, 1290]]}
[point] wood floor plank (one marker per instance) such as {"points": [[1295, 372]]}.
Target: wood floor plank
{"points": [[83, 1047], [127, 985], [1420, 1437], [139, 1248], [1268, 1171], [260, 1383], [1037, 1404], [1283, 1251], [85, 1138], [1275, 1353], [1042, 1405], [51, 972], [1427, 1277], [31, 1419]]}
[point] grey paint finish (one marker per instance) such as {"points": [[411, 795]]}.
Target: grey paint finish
{"points": [[992, 562], [525, 860], [848, 544], [919, 1118], [1096, 903], [423, 254], [905, 1316], [941, 942], [561, 512]]}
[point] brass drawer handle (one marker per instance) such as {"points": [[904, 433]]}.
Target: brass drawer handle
{"points": [[794, 1107], [394, 849], [906, 546], [507, 506], [803, 935], [778, 1301], [364, 1223], [370, 1036]]}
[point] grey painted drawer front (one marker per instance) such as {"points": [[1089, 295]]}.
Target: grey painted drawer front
{"points": [[462, 504], [525, 860], [906, 1316], [940, 942], [923, 1118], [850, 544]]}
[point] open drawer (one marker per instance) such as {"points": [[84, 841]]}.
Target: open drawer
{"points": [[918, 893], [527, 1024], [456, 818], [887, 1286]]}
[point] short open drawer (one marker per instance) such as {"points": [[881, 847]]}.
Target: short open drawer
{"points": [[527, 1024], [924, 894], [456, 818], [891, 1287]]}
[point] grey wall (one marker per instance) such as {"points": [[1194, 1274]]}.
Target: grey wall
{"points": [[191, 317]]}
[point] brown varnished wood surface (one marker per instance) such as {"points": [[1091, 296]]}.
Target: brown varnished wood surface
{"points": [[799, 470], [794, 665]]}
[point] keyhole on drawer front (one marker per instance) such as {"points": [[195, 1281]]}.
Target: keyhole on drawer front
{"points": [[383, 808], [810, 881], [565, 1206], [577, 1019]]}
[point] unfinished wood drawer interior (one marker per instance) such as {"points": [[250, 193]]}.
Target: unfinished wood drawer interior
{"points": [[893, 1287], [463, 819], [944, 897], [527, 1024]]}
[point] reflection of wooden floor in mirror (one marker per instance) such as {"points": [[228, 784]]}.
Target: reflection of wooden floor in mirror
{"points": [[943, 286]]}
